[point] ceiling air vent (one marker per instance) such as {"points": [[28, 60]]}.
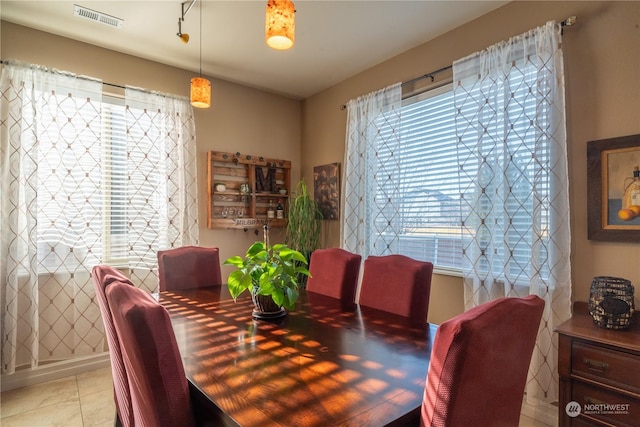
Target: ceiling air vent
{"points": [[96, 16]]}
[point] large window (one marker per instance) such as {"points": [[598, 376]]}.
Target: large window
{"points": [[428, 214], [427, 200], [82, 213]]}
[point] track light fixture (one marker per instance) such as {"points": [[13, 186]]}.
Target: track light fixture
{"points": [[200, 87], [184, 37]]}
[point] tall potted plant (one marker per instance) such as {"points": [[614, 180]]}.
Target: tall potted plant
{"points": [[270, 274], [303, 224]]}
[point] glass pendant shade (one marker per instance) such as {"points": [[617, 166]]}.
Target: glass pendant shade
{"points": [[280, 25], [200, 92]]}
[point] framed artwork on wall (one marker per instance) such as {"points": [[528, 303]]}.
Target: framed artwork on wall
{"points": [[613, 189], [326, 189]]}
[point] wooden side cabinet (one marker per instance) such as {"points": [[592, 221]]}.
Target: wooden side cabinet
{"points": [[242, 187], [599, 372]]}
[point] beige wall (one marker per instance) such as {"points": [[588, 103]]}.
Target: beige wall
{"points": [[240, 119], [602, 76]]}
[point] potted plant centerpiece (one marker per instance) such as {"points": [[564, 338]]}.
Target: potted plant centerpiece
{"points": [[270, 274]]}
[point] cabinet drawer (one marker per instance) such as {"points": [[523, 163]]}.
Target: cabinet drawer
{"points": [[606, 406], [606, 366]]}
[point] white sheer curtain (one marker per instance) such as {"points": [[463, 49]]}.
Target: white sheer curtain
{"points": [[50, 228], [512, 150], [370, 186], [83, 182], [162, 195]]}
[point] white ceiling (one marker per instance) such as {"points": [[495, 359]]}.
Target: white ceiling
{"points": [[334, 40]]}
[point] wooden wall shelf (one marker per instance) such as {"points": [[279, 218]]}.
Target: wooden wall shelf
{"points": [[251, 183]]}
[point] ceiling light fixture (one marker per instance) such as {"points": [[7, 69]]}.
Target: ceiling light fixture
{"points": [[200, 87], [184, 36], [281, 25]]}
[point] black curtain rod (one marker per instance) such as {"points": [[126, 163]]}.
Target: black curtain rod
{"points": [[416, 79], [566, 23], [428, 75]]}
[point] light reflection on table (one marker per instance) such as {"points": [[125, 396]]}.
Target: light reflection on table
{"points": [[324, 364]]}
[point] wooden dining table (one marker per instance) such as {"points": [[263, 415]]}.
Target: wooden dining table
{"points": [[326, 363]]}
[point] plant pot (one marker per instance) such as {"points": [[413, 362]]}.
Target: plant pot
{"points": [[266, 309]]}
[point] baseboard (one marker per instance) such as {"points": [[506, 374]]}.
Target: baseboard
{"points": [[546, 413], [54, 371]]}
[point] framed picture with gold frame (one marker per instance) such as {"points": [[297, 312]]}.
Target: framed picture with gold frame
{"points": [[610, 182]]}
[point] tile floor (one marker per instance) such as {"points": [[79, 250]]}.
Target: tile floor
{"points": [[78, 401]]}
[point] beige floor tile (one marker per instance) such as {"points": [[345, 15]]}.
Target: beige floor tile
{"points": [[94, 381], [98, 409], [64, 414], [43, 395]]}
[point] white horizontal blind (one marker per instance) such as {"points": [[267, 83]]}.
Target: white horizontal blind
{"points": [[428, 194], [114, 181]]}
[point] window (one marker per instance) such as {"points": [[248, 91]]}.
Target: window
{"points": [[114, 180], [82, 186], [428, 197], [427, 193]]}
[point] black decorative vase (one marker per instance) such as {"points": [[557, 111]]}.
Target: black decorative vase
{"points": [[266, 309], [611, 302]]}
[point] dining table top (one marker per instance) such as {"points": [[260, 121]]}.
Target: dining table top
{"points": [[325, 363]]}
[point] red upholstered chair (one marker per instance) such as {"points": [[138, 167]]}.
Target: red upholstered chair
{"points": [[189, 267], [157, 380], [334, 272], [479, 364], [102, 276], [397, 284]]}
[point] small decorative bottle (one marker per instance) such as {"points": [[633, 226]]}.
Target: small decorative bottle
{"points": [[279, 210], [631, 195], [271, 213]]}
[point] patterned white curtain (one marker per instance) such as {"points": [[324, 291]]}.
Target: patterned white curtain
{"points": [[83, 183], [370, 215], [162, 196], [512, 151], [50, 228]]}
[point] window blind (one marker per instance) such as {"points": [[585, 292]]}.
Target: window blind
{"points": [[427, 196]]}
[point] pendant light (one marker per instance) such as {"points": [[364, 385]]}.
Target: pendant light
{"points": [[200, 87], [280, 24]]}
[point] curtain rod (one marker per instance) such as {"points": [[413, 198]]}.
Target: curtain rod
{"points": [[566, 23], [2, 61]]}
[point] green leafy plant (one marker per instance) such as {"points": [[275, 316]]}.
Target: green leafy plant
{"points": [[303, 224], [268, 270]]}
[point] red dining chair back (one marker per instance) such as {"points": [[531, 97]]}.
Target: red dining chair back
{"points": [[103, 276], [397, 284], [479, 364], [189, 267], [157, 381], [334, 273]]}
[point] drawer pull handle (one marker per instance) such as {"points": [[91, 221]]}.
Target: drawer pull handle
{"points": [[596, 365], [593, 401]]}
